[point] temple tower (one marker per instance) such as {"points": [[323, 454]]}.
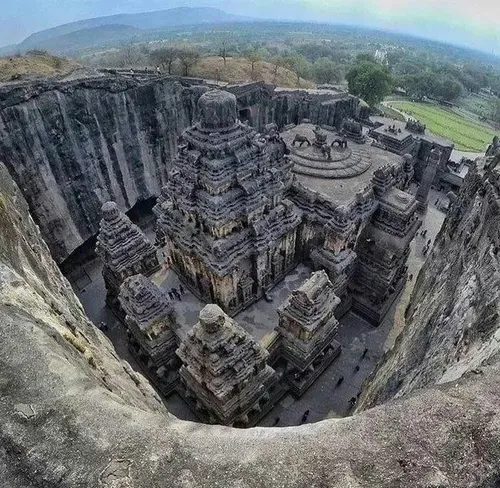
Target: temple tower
{"points": [[383, 248], [124, 251], [150, 322], [224, 376], [428, 179], [228, 229], [308, 327]]}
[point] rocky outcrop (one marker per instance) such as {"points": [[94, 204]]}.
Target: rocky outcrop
{"points": [[453, 320], [73, 415], [71, 146]]}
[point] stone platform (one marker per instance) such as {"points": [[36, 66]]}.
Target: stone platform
{"points": [[345, 162]]}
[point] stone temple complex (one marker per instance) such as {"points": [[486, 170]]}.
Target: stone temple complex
{"points": [[240, 210]]}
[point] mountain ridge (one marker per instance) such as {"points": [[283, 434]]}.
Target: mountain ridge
{"points": [[145, 20]]}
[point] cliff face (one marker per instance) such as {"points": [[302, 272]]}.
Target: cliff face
{"points": [[73, 415], [453, 320], [71, 147]]}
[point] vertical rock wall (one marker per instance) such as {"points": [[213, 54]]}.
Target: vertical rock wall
{"points": [[74, 147], [453, 320]]}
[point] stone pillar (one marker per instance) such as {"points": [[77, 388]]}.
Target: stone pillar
{"points": [[428, 179]]}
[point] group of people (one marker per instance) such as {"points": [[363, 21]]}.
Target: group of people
{"points": [[174, 293]]}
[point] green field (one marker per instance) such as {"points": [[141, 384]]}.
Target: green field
{"points": [[465, 133]]}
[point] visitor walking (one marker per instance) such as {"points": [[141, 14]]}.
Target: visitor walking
{"points": [[340, 380], [181, 289], [305, 415]]}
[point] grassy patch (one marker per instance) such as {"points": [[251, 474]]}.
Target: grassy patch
{"points": [[36, 63], [465, 133], [389, 112]]}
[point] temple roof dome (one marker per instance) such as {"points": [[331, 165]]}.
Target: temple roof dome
{"points": [[217, 110]]}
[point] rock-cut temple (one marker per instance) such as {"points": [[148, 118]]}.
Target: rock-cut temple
{"points": [[239, 212]]}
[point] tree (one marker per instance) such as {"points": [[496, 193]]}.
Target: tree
{"points": [[224, 46], [129, 55], [165, 56], [326, 71], [370, 81], [420, 85], [254, 56], [278, 62], [447, 89], [188, 56], [298, 64]]}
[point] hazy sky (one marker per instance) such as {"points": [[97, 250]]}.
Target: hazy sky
{"points": [[475, 23]]}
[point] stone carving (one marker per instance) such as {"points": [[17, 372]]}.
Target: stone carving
{"points": [[319, 137], [150, 320], [124, 251], [382, 249], [224, 374], [301, 140], [223, 214], [340, 141], [353, 130], [308, 327], [415, 126], [326, 150], [428, 178]]}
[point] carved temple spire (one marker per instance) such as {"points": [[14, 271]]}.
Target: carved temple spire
{"points": [[150, 321], [224, 370], [123, 249]]}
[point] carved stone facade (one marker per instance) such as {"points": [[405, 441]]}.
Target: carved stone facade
{"points": [[382, 249], [230, 232], [124, 251], [308, 327], [225, 377], [151, 323]]}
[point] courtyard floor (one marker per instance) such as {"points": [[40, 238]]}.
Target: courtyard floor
{"points": [[324, 399]]}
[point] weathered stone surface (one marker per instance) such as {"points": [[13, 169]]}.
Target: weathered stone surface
{"points": [[453, 319], [103, 427], [72, 146], [224, 370], [124, 250]]}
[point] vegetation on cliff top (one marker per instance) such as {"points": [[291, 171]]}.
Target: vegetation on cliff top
{"points": [[35, 63]]}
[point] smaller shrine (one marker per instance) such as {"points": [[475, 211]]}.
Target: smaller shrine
{"points": [[225, 377], [382, 249], [124, 251], [353, 130], [308, 328], [150, 322]]}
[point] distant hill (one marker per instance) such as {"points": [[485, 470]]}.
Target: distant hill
{"points": [[88, 38], [147, 20]]}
